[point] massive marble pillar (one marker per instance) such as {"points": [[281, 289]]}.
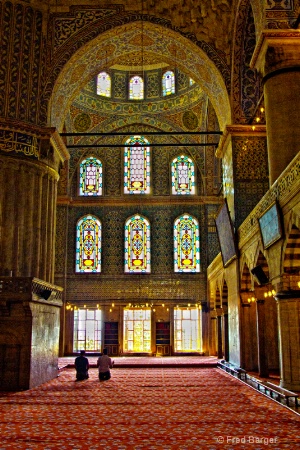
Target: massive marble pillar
{"points": [[31, 156], [277, 57]]}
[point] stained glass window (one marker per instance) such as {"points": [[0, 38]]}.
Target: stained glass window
{"points": [[90, 177], [192, 82], [187, 327], [87, 330], [136, 88], [137, 330], [168, 83], [104, 84], [137, 245], [186, 244], [88, 245], [183, 176], [137, 166]]}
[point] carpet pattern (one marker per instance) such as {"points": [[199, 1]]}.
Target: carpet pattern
{"points": [[150, 408]]}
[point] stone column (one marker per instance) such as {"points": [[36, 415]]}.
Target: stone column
{"points": [[261, 339], [220, 353], [288, 308], [28, 202], [277, 57], [212, 336], [249, 333], [225, 332]]}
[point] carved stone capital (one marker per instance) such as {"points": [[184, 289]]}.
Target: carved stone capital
{"points": [[238, 130], [277, 50]]}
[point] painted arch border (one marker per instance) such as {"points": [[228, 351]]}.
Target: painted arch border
{"points": [[91, 57]]}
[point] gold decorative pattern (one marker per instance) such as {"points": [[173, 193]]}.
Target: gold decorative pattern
{"points": [[82, 122], [190, 120]]}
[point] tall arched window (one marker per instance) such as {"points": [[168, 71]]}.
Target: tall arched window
{"points": [[137, 245], [104, 84], [137, 166], [168, 83], [183, 176], [136, 88], [88, 245], [90, 176], [186, 244]]}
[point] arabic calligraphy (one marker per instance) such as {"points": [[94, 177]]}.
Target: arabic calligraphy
{"points": [[14, 141]]}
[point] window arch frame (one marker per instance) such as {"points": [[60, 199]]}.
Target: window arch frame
{"points": [[165, 89], [130, 265], [79, 246], [129, 180], [99, 177], [106, 89], [192, 185], [186, 266], [131, 94]]}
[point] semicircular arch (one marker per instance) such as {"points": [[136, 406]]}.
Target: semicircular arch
{"points": [[123, 42]]}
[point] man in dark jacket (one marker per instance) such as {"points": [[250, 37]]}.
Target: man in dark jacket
{"points": [[82, 366]]}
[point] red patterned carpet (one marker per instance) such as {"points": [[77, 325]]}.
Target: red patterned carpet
{"points": [[145, 361], [150, 408]]}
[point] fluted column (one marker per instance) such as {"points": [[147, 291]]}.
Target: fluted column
{"points": [[28, 190], [277, 57]]}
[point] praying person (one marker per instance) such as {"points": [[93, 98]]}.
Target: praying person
{"points": [[104, 365], [82, 366]]}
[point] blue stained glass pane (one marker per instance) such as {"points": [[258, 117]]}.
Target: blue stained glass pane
{"points": [[137, 238], [88, 245], [137, 169], [90, 177], [186, 244], [168, 83], [183, 176]]}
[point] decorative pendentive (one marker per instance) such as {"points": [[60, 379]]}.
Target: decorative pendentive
{"points": [[82, 122], [88, 245], [186, 244], [137, 245]]}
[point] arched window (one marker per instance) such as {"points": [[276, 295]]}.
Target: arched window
{"points": [[137, 245], [137, 166], [168, 83], [136, 88], [183, 176], [88, 245], [186, 244], [104, 84], [90, 176], [192, 82]]}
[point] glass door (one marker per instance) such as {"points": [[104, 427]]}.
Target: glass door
{"points": [[187, 330], [87, 330], [137, 330]]}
